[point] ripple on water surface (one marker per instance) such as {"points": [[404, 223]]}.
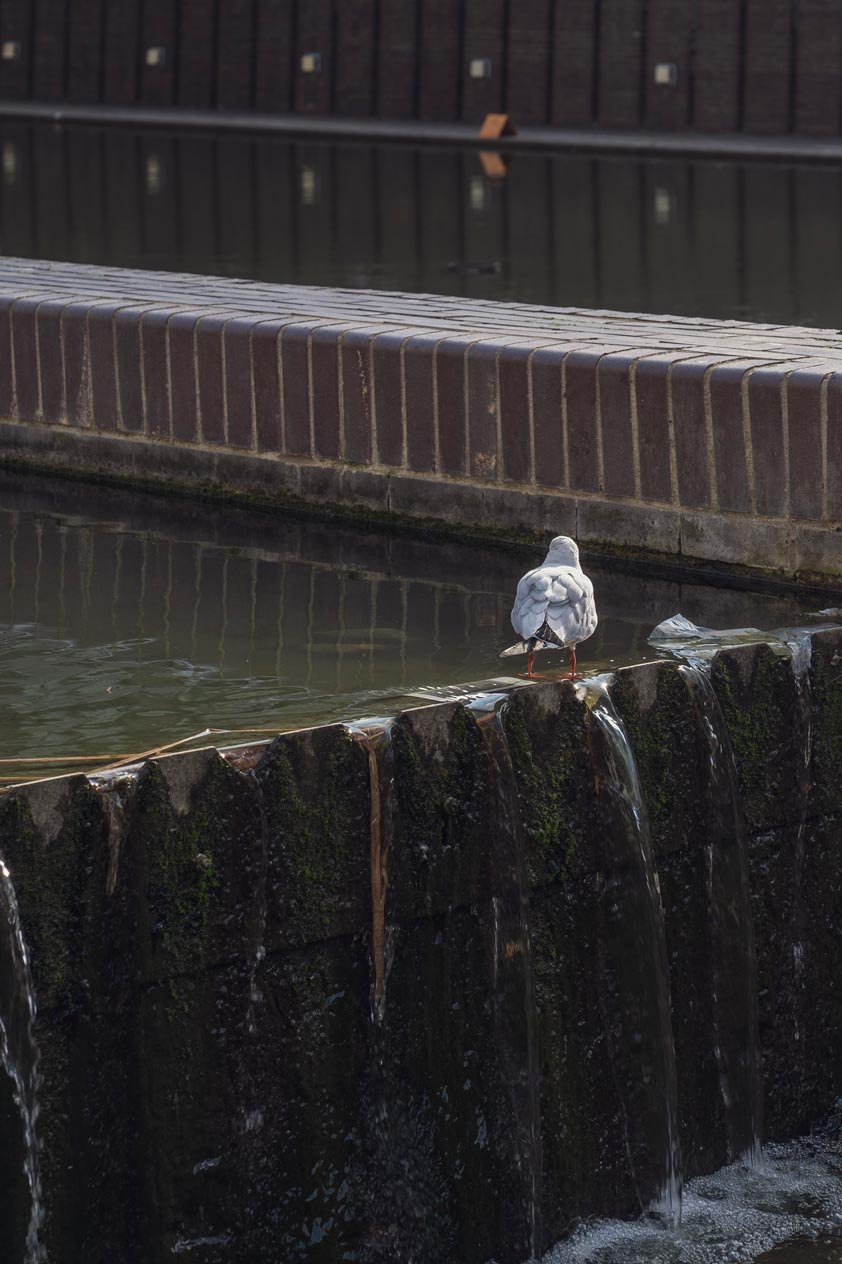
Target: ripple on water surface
{"points": [[128, 621]]}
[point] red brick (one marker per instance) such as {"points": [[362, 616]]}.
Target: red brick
{"points": [[265, 350], [315, 35], [450, 391], [439, 61], [6, 384], [49, 47], [25, 347], [804, 424], [355, 51], [834, 447], [653, 431], [728, 444], [357, 395], [324, 355], [818, 76], [545, 370], [180, 335], [129, 368], [103, 368], [388, 397], [513, 373], [483, 410], [397, 63], [420, 402], [74, 336], [238, 386], [687, 388], [49, 357], [668, 25], [716, 96], [621, 48], [530, 51], [573, 96], [615, 420], [296, 374], [580, 370], [483, 38], [767, 441], [156, 376], [211, 378], [768, 53], [273, 62]]}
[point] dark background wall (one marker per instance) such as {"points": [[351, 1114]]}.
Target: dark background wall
{"points": [[754, 65]]}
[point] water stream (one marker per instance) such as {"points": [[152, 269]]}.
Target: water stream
{"points": [[19, 1053], [733, 964], [637, 976]]}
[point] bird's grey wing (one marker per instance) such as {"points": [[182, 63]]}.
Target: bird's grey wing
{"points": [[531, 601], [566, 605]]}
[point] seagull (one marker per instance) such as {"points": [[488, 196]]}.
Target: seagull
{"points": [[554, 606]]}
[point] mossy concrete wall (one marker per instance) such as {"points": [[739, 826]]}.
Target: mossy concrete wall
{"points": [[365, 999]]}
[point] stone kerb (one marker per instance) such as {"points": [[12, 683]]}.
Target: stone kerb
{"points": [[701, 440]]}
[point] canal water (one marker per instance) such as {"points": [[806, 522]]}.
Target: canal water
{"points": [[747, 240], [128, 621]]}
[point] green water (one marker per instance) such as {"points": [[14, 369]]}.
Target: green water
{"points": [[128, 621]]}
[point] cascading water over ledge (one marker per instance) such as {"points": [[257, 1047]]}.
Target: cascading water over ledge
{"points": [[562, 1002], [19, 1053]]}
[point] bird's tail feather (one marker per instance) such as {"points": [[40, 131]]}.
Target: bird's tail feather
{"points": [[520, 648]]}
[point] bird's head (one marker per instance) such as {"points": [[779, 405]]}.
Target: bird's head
{"points": [[563, 551]]}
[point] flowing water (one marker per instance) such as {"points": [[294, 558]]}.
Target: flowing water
{"points": [[792, 1208], [732, 940], [128, 621], [19, 1052], [637, 976]]}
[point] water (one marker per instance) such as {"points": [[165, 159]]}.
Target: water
{"points": [[734, 967], [793, 1205], [748, 240], [637, 977], [19, 1053], [128, 621]]}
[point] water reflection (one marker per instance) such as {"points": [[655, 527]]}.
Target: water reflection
{"points": [[127, 620], [733, 240]]}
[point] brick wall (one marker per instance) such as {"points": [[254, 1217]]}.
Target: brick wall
{"points": [[758, 65], [692, 439]]}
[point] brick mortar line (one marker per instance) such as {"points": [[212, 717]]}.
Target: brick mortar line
{"points": [[89, 434]]}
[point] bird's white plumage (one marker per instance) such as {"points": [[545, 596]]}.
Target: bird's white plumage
{"points": [[555, 599]]}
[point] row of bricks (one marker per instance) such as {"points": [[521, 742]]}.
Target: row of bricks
{"points": [[436, 312], [735, 434], [762, 64]]}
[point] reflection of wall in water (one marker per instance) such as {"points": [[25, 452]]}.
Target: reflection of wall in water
{"points": [[704, 238]]}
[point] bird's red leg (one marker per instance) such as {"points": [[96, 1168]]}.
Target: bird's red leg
{"points": [[529, 663], [572, 662]]}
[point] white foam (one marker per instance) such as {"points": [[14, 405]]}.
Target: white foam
{"points": [[730, 1217]]}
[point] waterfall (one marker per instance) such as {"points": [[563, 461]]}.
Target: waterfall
{"points": [[20, 1056], [637, 977], [733, 964], [515, 1006], [800, 645]]}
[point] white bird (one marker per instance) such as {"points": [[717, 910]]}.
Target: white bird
{"points": [[554, 606]]}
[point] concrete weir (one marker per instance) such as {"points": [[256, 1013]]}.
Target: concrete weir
{"points": [[434, 990], [691, 440]]}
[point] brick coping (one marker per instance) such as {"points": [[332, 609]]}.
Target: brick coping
{"points": [[442, 314]]}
